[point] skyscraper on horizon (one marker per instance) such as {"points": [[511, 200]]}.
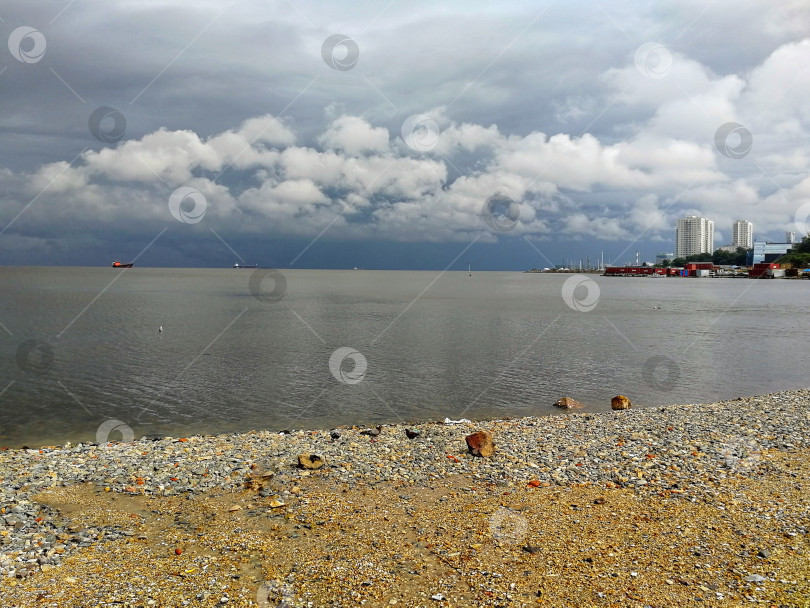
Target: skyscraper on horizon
{"points": [[694, 235], [742, 234]]}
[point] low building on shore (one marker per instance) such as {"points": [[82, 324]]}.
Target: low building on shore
{"points": [[767, 252], [660, 258]]}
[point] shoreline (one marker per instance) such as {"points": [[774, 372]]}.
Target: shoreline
{"points": [[56, 441], [682, 455]]}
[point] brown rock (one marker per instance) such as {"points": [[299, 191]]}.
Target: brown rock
{"points": [[310, 461], [620, 402], [567, 403], [480, 443]]}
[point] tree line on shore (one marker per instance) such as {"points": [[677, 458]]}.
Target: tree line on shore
{"points": [[798, 256], [718, 258]]}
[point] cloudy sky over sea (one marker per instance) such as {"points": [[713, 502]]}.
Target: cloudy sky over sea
{"points": [[396, 134]]}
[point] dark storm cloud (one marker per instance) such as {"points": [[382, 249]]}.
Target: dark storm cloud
{"points": [[512, 87]]}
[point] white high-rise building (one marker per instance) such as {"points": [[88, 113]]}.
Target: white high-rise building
{"points": [[694, 235], [742, 234]]}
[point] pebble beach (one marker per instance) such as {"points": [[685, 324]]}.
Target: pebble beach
{"points": [[699, 504]]}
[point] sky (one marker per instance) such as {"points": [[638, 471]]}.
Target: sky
{"points": [[396, 135]]}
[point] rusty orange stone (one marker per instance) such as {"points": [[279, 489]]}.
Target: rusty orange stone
{"points": [[480, 444], [620, 402]]}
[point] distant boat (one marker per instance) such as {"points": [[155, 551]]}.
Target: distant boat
{"points": [[245, 265], [117, 264]]}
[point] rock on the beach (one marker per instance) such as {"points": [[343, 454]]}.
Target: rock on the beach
{"points": [[568, 404], [310, 461], [480, 443], [620, 402]]}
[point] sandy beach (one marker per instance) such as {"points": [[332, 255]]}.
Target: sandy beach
{"points": [[692, 505]]}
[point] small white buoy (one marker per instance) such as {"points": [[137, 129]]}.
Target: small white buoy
{"points": [[160, 329]]}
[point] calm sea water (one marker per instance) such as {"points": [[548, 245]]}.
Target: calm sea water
{"points": [[82, 346]]}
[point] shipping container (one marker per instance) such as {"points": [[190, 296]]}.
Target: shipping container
{"points": [[699, 266], [761, 269]]}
